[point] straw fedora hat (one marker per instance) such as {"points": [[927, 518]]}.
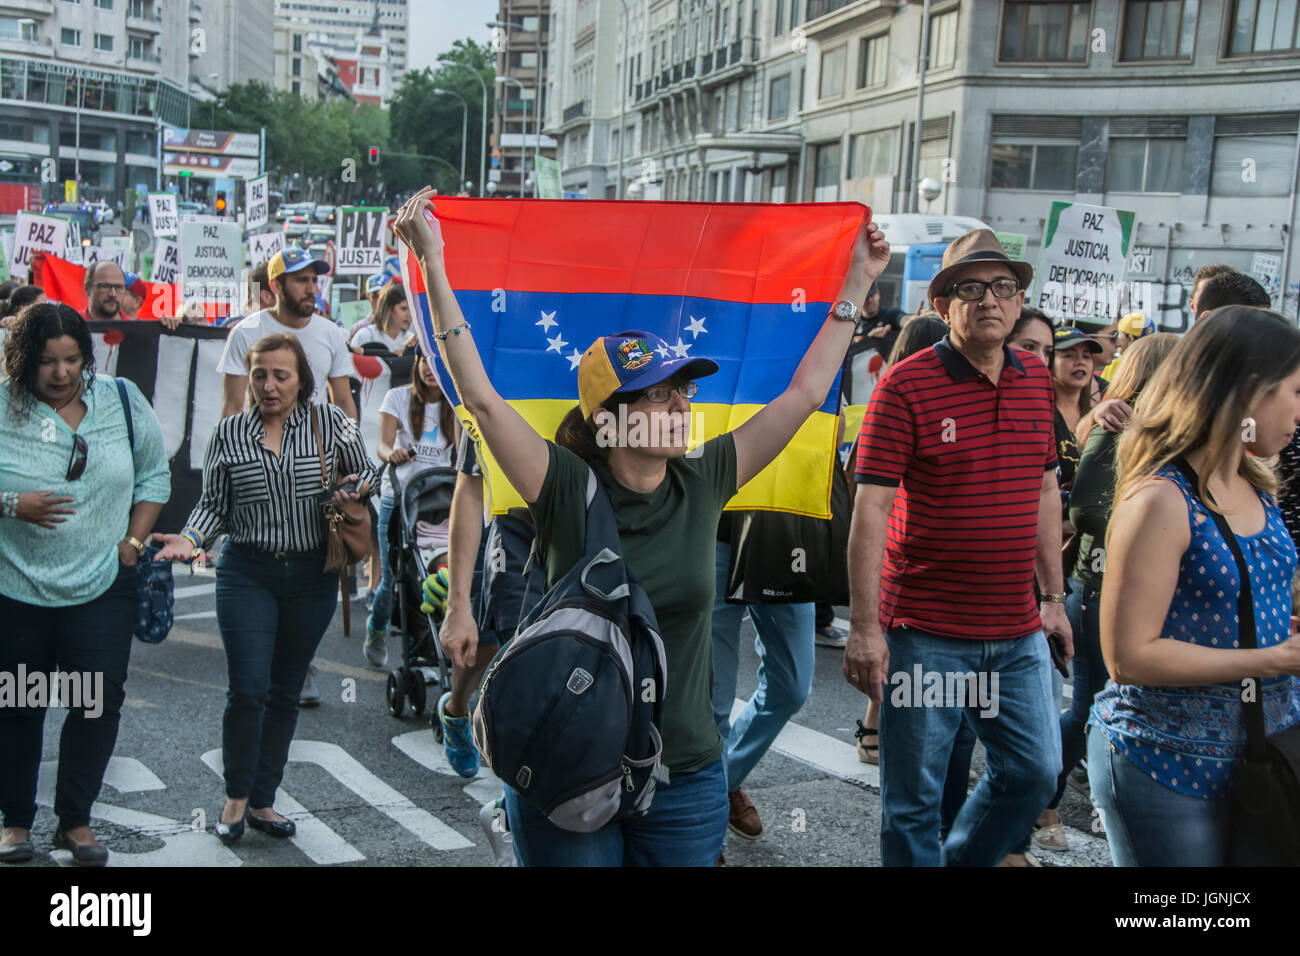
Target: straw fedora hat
{"points": [[978, 245]]}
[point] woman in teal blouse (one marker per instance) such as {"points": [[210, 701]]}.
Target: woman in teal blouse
{"points": [[77, 501]]}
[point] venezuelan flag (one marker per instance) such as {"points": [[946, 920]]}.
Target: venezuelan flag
{"points": [[747, 285]]}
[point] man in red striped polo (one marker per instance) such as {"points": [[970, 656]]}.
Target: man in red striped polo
{"points": [[957, 512]]}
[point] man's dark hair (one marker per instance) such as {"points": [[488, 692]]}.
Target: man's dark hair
{"points": [[6, 289], [1210, 271], [1232, 288], [19, 299], [258, 275]]}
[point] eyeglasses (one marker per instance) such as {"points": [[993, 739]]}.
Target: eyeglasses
{"points": [[658, 394], [77, 464], [109, 287], [972, 290]]}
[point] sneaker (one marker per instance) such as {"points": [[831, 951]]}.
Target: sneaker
{"points": [[1052, 837], [375, 649], [492, 817], [310, 696], [457, 742], [742, 819], [1077, 780], [831, 636]]}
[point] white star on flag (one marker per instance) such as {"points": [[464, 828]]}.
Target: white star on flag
{"points": [[696, 326], [574, 359], [557, 345], [547, 320], [680, 349]]}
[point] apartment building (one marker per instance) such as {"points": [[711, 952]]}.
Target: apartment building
{"points": [[236, 42], [522, 46], [336, 27]]}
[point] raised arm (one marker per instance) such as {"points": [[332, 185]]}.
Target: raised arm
{"points": [[761, 438], [518, 449]]}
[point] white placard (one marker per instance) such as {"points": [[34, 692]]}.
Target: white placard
{"points": [[1083, 262], [256, 202], [36, 233], [360, 242], [262, 246], [163, 214], [212, 255], [166, 262]]}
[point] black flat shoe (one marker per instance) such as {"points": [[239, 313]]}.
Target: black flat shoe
{"points": [[89, 855], [17, 853], [228, 833], [275, 828]]}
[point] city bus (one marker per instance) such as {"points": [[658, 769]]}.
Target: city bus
{"points": [[916, 244]]}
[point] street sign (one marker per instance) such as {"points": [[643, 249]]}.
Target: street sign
{"points": [[163, 214], [360, 245], [36, 233], [69, 190], [1084, 261], [256, 202], [142, 238]]}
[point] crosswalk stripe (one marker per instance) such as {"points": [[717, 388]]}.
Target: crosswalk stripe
{"points": [[195, 590]]}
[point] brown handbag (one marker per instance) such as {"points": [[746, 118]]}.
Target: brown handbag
{"points": [[347, 532]]}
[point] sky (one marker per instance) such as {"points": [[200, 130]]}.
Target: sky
{"points": [[436, 24]]}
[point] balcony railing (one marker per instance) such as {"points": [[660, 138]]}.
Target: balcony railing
{"points": [[576, 111]]}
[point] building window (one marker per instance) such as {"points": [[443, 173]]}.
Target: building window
{"points": [[297, 88], [70, 37], [19, 28], [1033, 166], [826, 182], [778, 98], [135, 49], [873, 61], [831, 81], [1265, 26], [780, 178], [795, 19], [297, 43], [872, 154], [943, 39], [1144, 166], [297, 70], [104, 42], [1159, 29], [1267, 158], [779, 19], [1045, 31], [104, 4]]}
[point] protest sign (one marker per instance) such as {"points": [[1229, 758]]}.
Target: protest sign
{"points": [[166, 262], [256, 202], [548, 178], [212, 255], [1013, 244], [35, 233], [1083, 262], [262, 246], [163, 214], [360, 242]]}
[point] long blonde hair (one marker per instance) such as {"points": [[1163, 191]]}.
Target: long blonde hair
{"points": [[1202, 395], [1141, 359]]}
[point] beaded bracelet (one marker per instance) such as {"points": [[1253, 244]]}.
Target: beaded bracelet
{"points": [[442, 336], [192, 538], [9, 504]]}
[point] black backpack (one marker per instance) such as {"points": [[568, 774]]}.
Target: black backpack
{"points": [[570, 708]]}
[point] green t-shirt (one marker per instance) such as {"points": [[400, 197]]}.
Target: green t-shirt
{"points": [[669, 538]]}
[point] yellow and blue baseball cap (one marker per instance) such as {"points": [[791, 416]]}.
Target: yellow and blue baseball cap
{"points": [[628, 362], [1136, 324], [293, 260]]}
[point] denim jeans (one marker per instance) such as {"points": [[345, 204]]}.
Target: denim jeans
{"points": [[272, 611], [685, 827], [92, 638], [784, 644], [381, 610], [1089, 677], [957, 781], [916, 744], [1147, 823]]}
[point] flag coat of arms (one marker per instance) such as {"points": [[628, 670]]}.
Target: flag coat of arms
{"points": [[747, 285]]}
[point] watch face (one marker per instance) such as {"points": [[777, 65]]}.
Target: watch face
{"points": [[845, 309]]}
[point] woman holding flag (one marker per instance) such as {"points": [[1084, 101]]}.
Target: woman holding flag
{"points": [[667, 506]]}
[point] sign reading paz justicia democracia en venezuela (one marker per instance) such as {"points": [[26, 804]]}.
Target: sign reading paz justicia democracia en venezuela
{"points": [[1084, 259]]}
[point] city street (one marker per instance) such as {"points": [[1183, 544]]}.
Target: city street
{"points": [[367, 789]]}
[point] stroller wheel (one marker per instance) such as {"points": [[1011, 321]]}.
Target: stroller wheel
{"points": [[416, 691], [396, 693], [437, 728]]}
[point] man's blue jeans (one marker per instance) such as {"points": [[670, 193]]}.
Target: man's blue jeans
{"points": [[785, 649], [272, 611], [685, 827], [1022, 743], [381, 609], [1147, 823]]}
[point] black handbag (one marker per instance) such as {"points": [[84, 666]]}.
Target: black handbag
{"points": [[780, 558], [1265, 820]]}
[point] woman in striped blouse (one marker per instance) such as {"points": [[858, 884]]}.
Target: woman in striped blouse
{"points": [[262, 486]]}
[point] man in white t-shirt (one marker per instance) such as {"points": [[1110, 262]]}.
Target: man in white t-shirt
{"points": [[292, 276]]}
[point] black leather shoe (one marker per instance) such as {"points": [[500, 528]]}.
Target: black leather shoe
{"points": [[276, 828], [228, 833], [17, 853], [89, 855]]}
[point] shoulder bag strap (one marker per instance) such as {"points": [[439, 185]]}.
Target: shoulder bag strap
{"points": [[320, 448], [1246, 636], [126, 409]]}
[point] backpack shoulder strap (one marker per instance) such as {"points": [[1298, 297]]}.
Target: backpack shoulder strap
{"points": [[126, 410]]}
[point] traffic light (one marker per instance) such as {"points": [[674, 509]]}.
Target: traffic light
{"points": [[374, 156], [221, 202]]}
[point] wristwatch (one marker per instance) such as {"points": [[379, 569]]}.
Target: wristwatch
{"points": [[1054, 598], [846, 311]]}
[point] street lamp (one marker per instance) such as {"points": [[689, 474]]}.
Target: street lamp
{"points": [[482, 150], [523, 141], [212, 112], [464, 128]]}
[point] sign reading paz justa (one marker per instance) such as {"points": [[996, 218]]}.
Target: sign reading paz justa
{"points": [[1083, 262], [166, 262], [163, 214], [35, 233], [212, 255], [360, 244], [256, 203]]}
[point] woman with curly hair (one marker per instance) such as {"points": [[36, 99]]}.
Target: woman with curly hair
{"points": [[77, 500]]}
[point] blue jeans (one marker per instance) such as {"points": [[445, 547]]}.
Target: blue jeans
{"points": [[916, 745], [957, 781], [1147, 823], [92, 638], [685, 827], [785, 649], [272, 611], [1089, 677], [381, 610]]}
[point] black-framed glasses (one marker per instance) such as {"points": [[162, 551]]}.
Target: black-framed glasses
{"points": [[658, 394], [77, 464], [109, 287], [972, 290]]}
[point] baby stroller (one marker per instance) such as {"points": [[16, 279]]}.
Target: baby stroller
{"points": [[425, 497]]}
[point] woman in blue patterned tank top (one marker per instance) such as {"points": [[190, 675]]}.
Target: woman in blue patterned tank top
{"points": [[1167, 731]]}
